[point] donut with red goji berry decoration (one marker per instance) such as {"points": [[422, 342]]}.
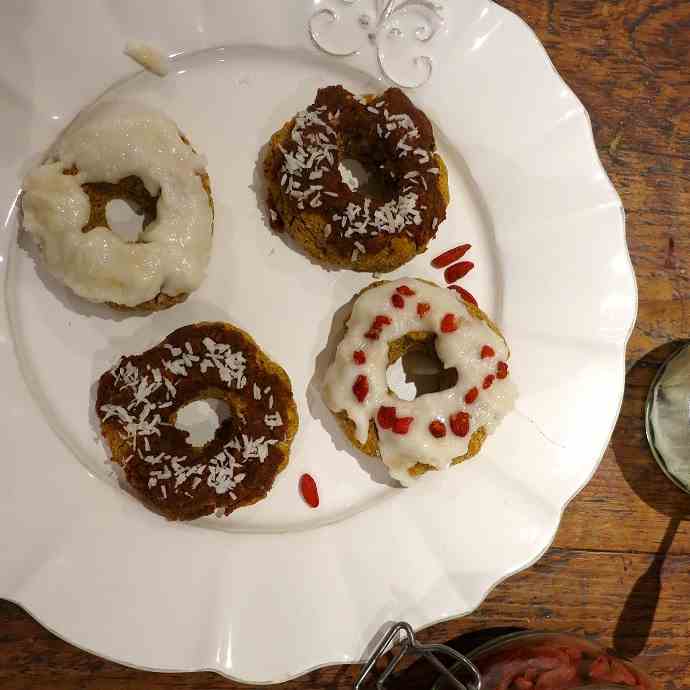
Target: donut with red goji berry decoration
{"points": [[376, 227], [435, 430]]}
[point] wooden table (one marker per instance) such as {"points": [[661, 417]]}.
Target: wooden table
{"points": [[619, 570]]}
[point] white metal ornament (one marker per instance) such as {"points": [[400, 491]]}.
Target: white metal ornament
{"points": [[380, 24]]}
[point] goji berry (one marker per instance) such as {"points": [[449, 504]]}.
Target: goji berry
{"points": [[361, 387], [457, 271], [401, 425], [449, 323], [310, 493], [464, 294], [423, 308], [460, 423], [451, 255], [397, 300], [437, 428], [386, 417], [487, 351], [381, 321]]}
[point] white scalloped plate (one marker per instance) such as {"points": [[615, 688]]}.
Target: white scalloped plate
{"points": [[278, 589]]}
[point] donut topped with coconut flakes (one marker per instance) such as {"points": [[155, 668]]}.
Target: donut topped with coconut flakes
{"points": [[138, 401], [374, 226], [437, 429]]}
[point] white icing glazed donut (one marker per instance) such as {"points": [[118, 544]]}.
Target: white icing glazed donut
{"points": [[108, 143], [436, 428]]}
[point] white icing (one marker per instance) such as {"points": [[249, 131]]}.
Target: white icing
{"points": [[460, 350], [148, 57], [108, 143]]}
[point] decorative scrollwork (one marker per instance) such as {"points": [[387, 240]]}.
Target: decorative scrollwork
{"points": [[382, 26]]}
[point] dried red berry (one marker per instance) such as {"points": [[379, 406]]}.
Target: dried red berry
{"points": [[375, 330], [361, 387], [464, 294], [448, 257], [437, 428], [501, 370], [404, 290], [386, 417], [460, 423], [310, 493], [398, 301], [402, 425], [359, 357], [457, 271], [487, 351], [423, 308], [449, 323], [471, 395], [488, 380]]}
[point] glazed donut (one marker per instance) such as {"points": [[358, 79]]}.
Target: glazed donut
{"points": [[117, 150], [137, 404], [437, 429], [374, 229]]}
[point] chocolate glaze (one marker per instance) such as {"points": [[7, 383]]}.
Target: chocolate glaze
{"points": [[360, 133], [247, 418]]}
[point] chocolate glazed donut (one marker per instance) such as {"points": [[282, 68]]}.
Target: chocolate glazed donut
{"points": [[137, 405], [375, 228]]}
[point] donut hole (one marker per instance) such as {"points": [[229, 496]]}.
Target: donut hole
{"points": [[353, 173], [201, 419], [415, 369], [363, 169], [123, 220], [134, 210], [124, 207]]}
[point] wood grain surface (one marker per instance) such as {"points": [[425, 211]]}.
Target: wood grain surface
{"points": [[619, 570]]}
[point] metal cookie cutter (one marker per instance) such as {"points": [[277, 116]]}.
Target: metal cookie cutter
{"points": [[403, 633]]}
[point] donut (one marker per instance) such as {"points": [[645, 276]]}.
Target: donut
{"points": [[312, 197], [138, 400], [122, 151], [389, 319]]}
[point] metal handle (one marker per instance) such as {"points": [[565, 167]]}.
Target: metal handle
{"points": [[403, 633]]}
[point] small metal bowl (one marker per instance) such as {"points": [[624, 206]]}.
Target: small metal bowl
{"points": [[648, 418]]}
